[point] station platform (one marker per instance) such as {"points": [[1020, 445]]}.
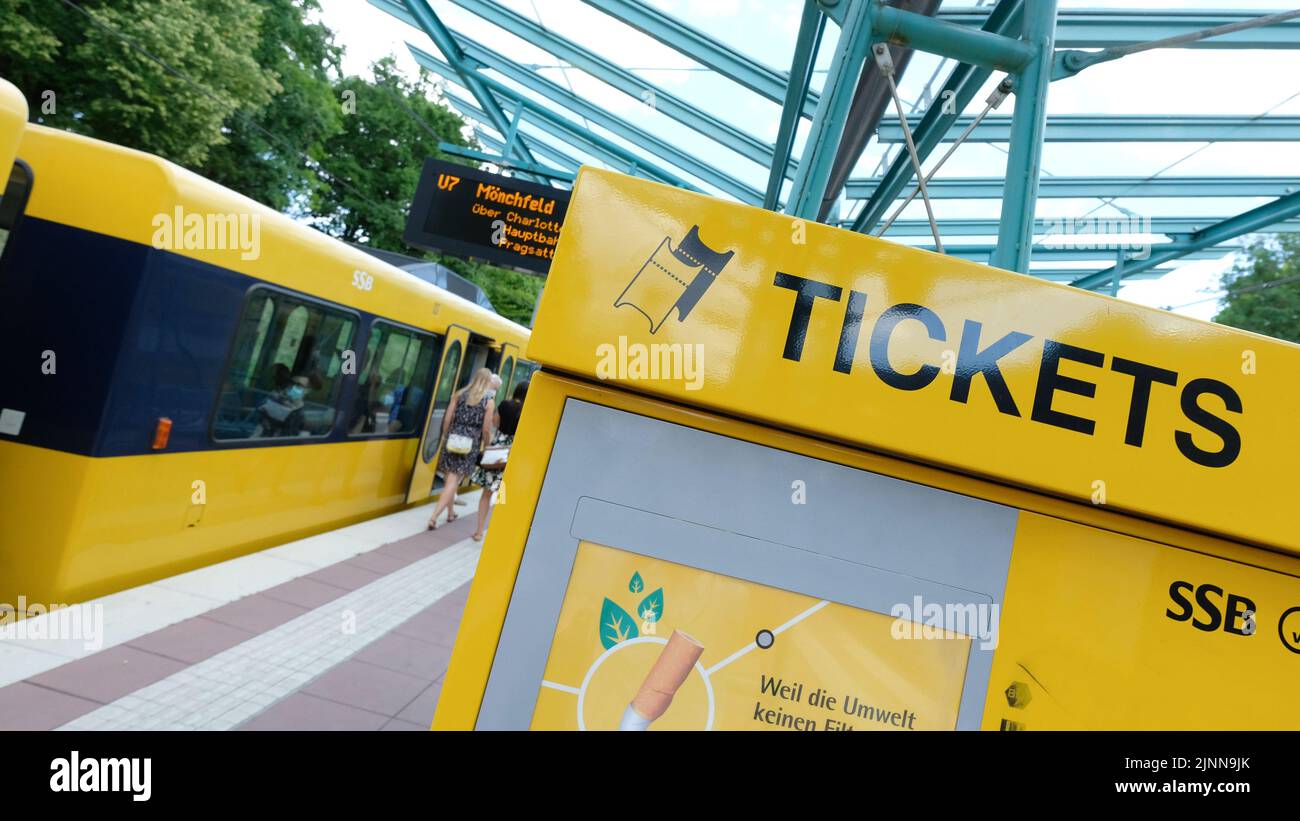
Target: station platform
{"points": [[347, 630]]}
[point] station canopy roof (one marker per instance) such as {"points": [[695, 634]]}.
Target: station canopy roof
{"points": [[694, 94]]}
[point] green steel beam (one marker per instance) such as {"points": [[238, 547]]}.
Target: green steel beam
{"points": [[505, 162], [1121, 128], [663, 149], [1071, 274], [702, 48], [1057, 253], [543, 117], [423, 18], [1025, 152], [1089, 187], [965, 44], [961, 87], [851, 51], [1169, 226], [812, 25], [559, 158], [1105, 28], [577, 140], [660, 99], [1255, 219]]}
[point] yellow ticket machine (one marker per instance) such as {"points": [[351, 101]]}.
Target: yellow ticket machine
{"points": [[780, 476]]}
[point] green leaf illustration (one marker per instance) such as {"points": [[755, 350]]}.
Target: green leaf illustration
{"points": [[636, 585], [651, 607], [615, 625]]}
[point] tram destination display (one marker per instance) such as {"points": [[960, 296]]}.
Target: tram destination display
{"points": [[471, 213]]}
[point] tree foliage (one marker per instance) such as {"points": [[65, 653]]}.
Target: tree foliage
{"points": [[107, 74], [1263, 292], [269, 152], [373, 163], [250, 94]]}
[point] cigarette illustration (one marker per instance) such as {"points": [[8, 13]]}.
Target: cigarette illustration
{"points": [[662, 682]]}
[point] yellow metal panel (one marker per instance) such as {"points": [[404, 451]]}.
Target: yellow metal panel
{"points": [[77, 527], [498, 566], [906, 329], [1089, 634]]}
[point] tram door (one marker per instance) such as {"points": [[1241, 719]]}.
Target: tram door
{"points": [[426, 461], [506, 369]]}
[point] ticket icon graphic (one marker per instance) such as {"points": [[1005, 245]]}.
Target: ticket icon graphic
{"points": [[674, 277]]}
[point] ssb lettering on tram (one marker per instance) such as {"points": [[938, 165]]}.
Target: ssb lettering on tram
{"points": [[979, 354]]}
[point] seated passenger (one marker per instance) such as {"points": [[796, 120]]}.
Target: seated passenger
{"points": [[282, 412]]}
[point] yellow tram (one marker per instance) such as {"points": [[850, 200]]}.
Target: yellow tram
{"points": [[190, 376]]}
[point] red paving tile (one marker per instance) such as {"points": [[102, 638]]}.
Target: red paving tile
{"points": [[304, 592], [256, 613], [407, 655], [435, 624], [192, 640], [420, 710], [367, 686], [343, 575], [376, 562], [108, 675], [412, 549], [303, 712], [399, 725], [24, 706]]}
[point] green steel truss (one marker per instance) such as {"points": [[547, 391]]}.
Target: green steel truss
{"points": [[544, 130]]}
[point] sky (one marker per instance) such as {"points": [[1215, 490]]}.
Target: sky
{"points": [[1168, 81]]}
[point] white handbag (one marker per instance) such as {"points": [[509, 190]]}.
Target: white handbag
{"points": [[494, 457], [459, 444]]}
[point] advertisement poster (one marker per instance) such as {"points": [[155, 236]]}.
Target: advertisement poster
{"points": [[645, 644]]}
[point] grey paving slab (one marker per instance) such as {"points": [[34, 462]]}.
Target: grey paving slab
{"points": [[305, 712]]}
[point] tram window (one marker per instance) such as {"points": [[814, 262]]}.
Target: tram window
{"points": [[475, 357], [14, 200], [393, 387], [442, 397], [524, 371], [283, 376], [506, 372]]}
